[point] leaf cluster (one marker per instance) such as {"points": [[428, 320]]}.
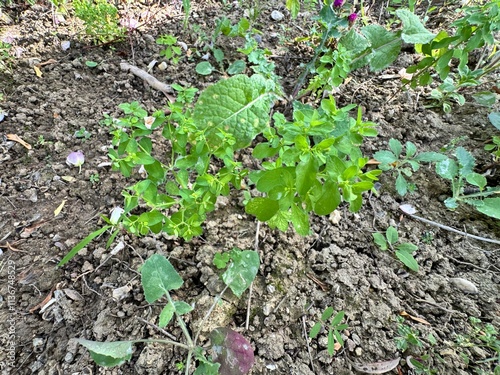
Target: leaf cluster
{"points": [[101, 20], [403, 250], [333, 325]]}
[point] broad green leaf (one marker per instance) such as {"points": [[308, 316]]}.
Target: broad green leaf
{"points": [[158, 276], [486, 98], [401, 185], [108, 354], [262, 208], [315, 330], [263, 150], [300, 220], [242, 270], [395, 146], [238, 105], [305, 175], [354, 42], [413, 29], [447, 168], [204, 68], [380, 240], [385, 46], [408, 247], [293, 6], [466, 161], [392, 235], [476, 179], [268, 180], [490, 207], [327, 200], [430, 157], [411, 149], [236, 67], [451, 203], [407, 259], [281, 221], [385, 157], [494, 118], [82, 244]]}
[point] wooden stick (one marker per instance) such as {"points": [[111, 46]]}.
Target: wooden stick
{"points": [[151, 81]]}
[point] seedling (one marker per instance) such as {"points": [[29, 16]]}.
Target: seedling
{"points": [[172, 51], [333, 327], [404, 164], [94, 178], [404, 251], [232, 353], [494, 147], [459, 171]]}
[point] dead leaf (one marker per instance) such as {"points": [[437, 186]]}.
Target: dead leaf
{"points": [[44, 302], [37, 70], [58, 210], [15, 138], [420, 320], [377, 367]]}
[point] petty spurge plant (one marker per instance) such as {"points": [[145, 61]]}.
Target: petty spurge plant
{"points": [[332, 324]]}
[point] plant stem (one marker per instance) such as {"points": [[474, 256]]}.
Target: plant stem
{"points": [[445, 227]]}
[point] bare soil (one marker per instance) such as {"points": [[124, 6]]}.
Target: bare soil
{"points": [[99, 297]]}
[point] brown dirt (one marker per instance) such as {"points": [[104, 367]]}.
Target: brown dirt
{"points": [[371, 286]]}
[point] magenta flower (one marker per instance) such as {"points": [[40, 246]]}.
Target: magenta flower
{"points": [[338, 3], [352, 17]]}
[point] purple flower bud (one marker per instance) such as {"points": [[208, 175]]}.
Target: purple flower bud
{"points": [[338, 3], [75, 159], [352, 17]]}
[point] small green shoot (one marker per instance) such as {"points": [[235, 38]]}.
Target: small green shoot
{"points": [[403, 251], [333, 326], [172, 52]]}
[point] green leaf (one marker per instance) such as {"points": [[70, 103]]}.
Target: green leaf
{"points": [[91, 64], [447, 168], [238, 105], [392, 235], [300, 220], [395, 146], [327, 200], [411, 149], [315, 330], [82, 244], [241, 271], [305, 175], [413, 29], [430, 157], [331, 343], [486, 98], [385, 46], [237, 67], [158, 276], [466, 161], [108, 354], [204, 68], [408, 247], [293, 6], [338, 318], [494, 118], [263, 150], [490, 207], [221, 259], [166, 315], [407, 259], [327, 314], [262, 208], [380, 240], [476, 179], [385, 157], [401, 185]]}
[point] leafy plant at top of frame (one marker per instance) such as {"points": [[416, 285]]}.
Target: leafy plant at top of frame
{"points": [[403, 250], [232, 353], [101, 20], [333, 327], [475, 30], [404, 164]]}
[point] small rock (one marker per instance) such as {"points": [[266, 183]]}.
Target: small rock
{"points": [[276, 15], [121, 293], [464, 285]]}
